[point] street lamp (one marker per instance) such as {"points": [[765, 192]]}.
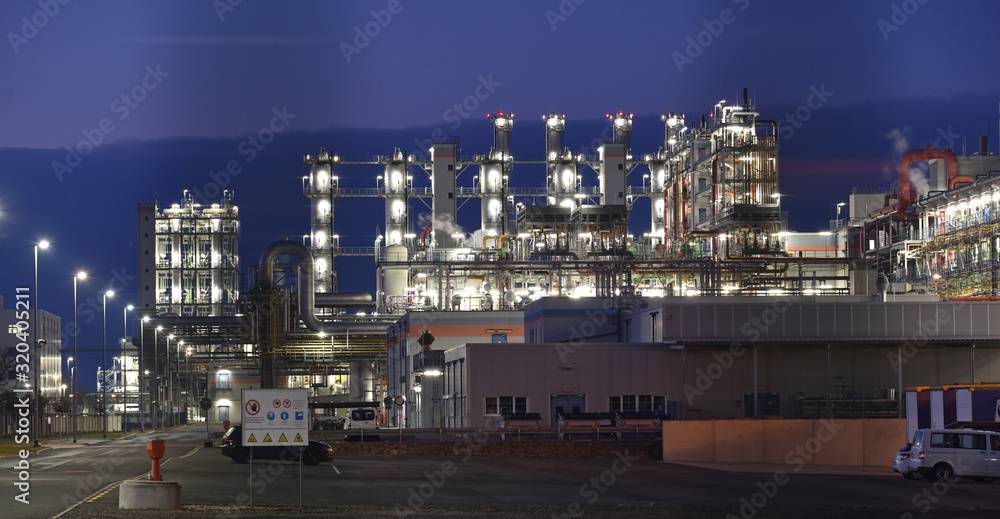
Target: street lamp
{"points": [[190, 384], [837, 238], [38, 361], [104, 373], [125, 371], [177, 372], [156, 378], [72, 379], [170, 395], [79, 275], [141, 367]]}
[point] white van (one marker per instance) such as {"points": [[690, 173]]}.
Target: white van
{"points": [[360, 418], [943, 453]]}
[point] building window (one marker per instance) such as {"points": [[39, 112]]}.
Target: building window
{"points": [[224, 381], [614, 403], [628, 402], [506, 404], [645, 403], [223, 413]]}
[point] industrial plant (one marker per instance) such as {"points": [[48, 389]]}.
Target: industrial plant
{"points": [[714, 309]]}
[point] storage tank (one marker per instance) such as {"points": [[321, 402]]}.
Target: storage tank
{"points": [[395, 277]]}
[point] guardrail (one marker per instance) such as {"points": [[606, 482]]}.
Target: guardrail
{"points": [[487, 434]]}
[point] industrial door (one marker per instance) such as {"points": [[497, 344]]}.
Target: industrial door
{"points": [[564, 404]]}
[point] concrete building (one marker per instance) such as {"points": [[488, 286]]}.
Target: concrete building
{"points": [[189, 293], [49, 356], [189, 258], [417, 345]]}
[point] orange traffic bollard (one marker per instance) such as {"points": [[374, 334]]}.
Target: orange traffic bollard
{"points": [[155, 448]]}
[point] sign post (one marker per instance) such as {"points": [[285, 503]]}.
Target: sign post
{"points": [[276, 418]]}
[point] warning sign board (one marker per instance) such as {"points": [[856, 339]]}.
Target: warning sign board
{"points": [[278, 416]]}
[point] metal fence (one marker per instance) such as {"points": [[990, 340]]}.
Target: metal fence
{"points": [[61, 424]]}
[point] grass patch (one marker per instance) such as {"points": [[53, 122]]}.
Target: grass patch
{"points": [[10, 448]]}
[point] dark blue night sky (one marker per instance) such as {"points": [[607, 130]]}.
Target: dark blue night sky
{"points": [[107, 103]]}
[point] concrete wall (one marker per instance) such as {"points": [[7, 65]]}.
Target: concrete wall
{"points": [[541, 371], [871, 443]]}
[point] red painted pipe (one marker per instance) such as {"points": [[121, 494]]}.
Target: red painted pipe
{"points": [[904, 172]]}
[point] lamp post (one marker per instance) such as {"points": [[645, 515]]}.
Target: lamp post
{"points": [[170, 385], [190, 385], [79, 275], [38, 361], [104, 373], [155, 389], [72, 382], [837, 230], [141, 368], [125, 370]]}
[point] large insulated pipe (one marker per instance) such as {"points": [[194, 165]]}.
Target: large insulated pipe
{"points": [[307, 290], [926, 154]]}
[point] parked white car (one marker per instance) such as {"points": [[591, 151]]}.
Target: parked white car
{"points": [[941, 454]]}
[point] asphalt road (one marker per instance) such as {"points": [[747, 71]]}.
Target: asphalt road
{"points": [[66, 474], [421, 483]]}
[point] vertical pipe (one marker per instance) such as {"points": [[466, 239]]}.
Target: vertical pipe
{"points": [[972, 363], [899, 376], [829, 403], [756, 407]]}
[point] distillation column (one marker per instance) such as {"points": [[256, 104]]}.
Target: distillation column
{"points": [[614, 156], [661, 167], [493, 177], [395, 185], [444, 202], [320, 187], [561, 171]]}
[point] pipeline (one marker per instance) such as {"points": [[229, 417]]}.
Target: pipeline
{"points": [[307, 293], [927, 154]]}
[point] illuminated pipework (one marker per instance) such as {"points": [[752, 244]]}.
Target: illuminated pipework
{"points": [[493, 174], [622, 123], [321, 186], [562, 170], [395, 185]]}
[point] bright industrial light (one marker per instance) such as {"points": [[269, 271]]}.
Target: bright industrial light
{"points": [[417, 389], [409, 235], [43, 244], [110, 293], [81, 275], [433, 373], [458, 235], [145, 319]]}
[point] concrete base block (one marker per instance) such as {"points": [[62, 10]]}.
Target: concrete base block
{"points": [[159, 495]]}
